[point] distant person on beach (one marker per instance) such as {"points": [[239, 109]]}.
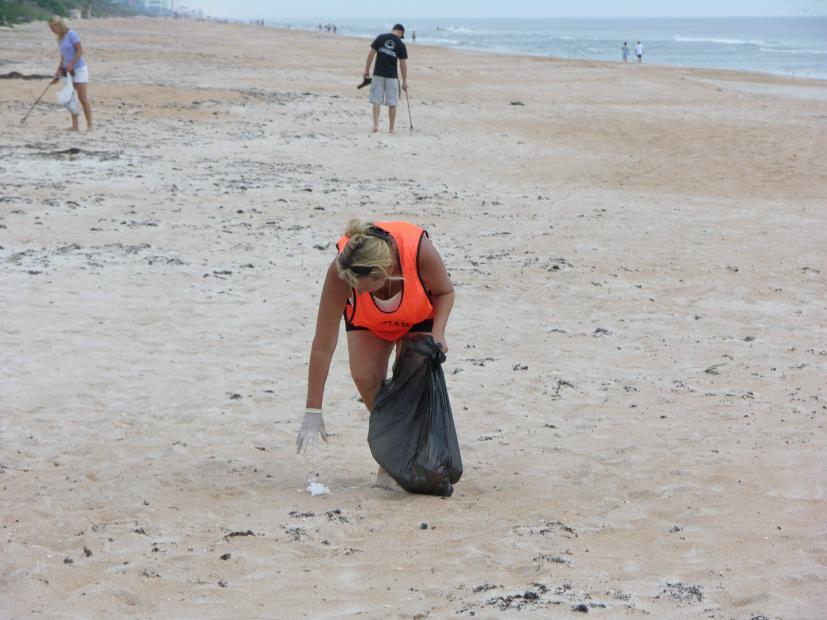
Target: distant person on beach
{"points": [[625, 50], [413, 36], [639, 51], [73, 63], [387, 280], [384, 88]]}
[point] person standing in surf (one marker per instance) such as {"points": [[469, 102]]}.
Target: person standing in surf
{"points": [[388, 50]]}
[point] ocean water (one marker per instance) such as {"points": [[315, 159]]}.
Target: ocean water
{"points": [[791, 46]]}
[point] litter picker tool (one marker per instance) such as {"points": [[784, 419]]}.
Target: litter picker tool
{"points": [[36, 101], [408, 101]]}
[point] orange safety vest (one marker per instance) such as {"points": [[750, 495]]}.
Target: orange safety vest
{"points": [[415, 305]]}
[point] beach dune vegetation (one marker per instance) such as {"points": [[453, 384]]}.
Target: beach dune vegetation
{"points": [[21, 11]]}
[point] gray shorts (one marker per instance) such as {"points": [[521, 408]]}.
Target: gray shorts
{"points": [[384, 91]]}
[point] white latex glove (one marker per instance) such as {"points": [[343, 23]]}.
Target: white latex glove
{"points": [[312, 426]]}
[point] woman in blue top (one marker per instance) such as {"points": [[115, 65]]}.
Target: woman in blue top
{"points": [[73, 63]]}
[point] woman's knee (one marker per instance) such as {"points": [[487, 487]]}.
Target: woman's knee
{"points": [[368, 360], [367, 380]]}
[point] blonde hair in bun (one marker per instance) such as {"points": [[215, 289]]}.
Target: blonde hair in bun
{"points": [[369, 249]]}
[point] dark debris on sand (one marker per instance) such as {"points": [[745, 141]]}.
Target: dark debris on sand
{"points": [[543, 528], [239, 533], [683, 592], [14, 75], [337, 516], [301, 515], [533, 599], [296, 534], [75, 151], [529, 598], [552, 559]]}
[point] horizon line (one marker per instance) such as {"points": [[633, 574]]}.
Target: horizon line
{"points": [[328, 18]]}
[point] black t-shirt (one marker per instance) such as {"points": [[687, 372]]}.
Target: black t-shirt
{"points": [[388, 48]]}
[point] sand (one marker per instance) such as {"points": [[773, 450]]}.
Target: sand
{"points": [[637, 350]]}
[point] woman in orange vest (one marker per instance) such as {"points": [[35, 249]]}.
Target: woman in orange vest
{"points": [[387, 280]]}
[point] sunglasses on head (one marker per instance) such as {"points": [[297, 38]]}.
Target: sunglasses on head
{"points": [[361, 270], [375, 231], [346, 258]]}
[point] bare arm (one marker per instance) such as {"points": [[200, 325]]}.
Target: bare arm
{"points": [[371, 54], [334, 296], [403, 69], [438, 282]]}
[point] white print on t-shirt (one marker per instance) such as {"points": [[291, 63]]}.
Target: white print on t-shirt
{"points": [[390, 48]]}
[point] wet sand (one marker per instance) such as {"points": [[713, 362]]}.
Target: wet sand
{"points": [[637, 350]]}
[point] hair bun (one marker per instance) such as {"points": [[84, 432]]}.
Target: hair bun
{"points": [[357, 227]]}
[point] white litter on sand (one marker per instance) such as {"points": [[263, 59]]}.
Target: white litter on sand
{"points": [[316, 488]]}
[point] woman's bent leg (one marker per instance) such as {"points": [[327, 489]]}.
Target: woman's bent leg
{"points": [[369, 356], [83, 97]]}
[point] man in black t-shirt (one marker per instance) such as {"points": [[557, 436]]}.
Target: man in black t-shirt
{"points": [[384, 88]]}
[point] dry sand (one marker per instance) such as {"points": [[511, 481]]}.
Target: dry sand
{"points": [[638, 347]]}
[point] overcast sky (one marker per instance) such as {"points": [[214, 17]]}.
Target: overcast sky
{"points": [[282, 10]]}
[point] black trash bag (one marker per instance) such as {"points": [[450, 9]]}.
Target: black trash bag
{"points": [[411, 432]]}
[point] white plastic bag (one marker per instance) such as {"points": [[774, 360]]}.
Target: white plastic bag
{"points": [[67, 96]]}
